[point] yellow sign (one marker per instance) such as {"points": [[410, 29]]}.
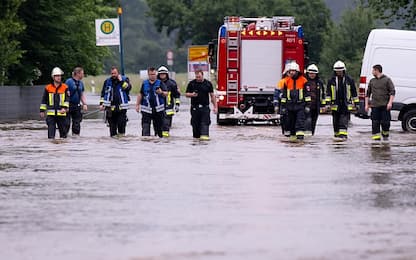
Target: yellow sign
{"points": [[198, 53], [107, 27]]}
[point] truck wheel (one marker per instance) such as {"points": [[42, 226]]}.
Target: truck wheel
{"points": [[409, 121]]}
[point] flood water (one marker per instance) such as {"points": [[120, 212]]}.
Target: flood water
{"points": [[246, 194]]}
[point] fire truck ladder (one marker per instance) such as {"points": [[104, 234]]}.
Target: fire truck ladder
{"points": [[233, 70]]}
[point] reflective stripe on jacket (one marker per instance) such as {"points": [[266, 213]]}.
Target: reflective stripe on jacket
{"points": [[54, 99], [347, 85], [294, 90], [121, 90], [173, 96], [150, 89]]}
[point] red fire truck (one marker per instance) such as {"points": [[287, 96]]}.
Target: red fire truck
{"points": [[251, 56]]}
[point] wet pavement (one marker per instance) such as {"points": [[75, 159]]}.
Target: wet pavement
{"points": [[246, 194]]}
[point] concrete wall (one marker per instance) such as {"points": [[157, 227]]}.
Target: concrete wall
{"points": [[20, 103]]}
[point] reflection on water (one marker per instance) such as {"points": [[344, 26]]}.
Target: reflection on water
{"points": [[246, 194]]}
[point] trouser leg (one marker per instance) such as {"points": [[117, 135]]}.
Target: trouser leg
{"points": [[314, 118], [51, 122], [76, 116], [112, 122], [122, 121], [62, 122], [335, 122], [291, 117], [344, 119], [167, 123], [385, 122], [146, 121], [308, 122], [158, 122], [195, 122], [300, 122], [205, 121]]}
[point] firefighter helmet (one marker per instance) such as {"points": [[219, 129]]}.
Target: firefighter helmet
{"points": [[56, 71], [312, 69], [293, 66], [339, 66], [162, 69]]}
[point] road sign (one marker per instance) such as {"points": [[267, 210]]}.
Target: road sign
{"points": [[107, 32]]}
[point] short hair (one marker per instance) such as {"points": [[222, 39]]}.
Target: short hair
{"points": [[378, 67], [151, 69], [197, 71], [77, 70], [114, 68]]}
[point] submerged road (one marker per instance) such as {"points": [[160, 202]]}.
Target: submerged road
{"points": [[246, 194]]}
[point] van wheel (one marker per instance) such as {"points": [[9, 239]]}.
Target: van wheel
{"points": [[409, 121]]}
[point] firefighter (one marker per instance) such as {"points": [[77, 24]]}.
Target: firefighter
{"points": [[315, 87], [172, 101], [200, 90], [76, 97], [381, 91], [55, 103], [151, 103], [295, 101], [277, 104], [115, 101], [341, 95]]}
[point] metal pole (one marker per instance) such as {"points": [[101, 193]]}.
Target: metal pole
{"points": [[120, 20]]}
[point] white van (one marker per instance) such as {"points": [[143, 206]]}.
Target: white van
{"points": [[395, 51]]}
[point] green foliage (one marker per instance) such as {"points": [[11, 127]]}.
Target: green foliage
{"points": [[59, 34], [10, 27], [392, 10], [199, 20], [346, 41], [143, 45]]}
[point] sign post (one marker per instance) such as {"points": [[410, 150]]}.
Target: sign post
{"points": [[109, 32], [120, 19]]}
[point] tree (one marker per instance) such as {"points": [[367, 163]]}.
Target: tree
{"points": [[392, 10], [346, 41], [10, 27], [59, 34], [199, 20]]}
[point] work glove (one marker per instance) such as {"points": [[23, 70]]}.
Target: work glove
{"points": [[283, 110], [328, 108], [307, 110], [276, 109], [177, 108]]}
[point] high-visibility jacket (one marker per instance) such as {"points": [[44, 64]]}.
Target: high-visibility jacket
{"points": [[318, 87], [294, 91], [278, 90], [173, 97], [115, 93], [54, 99], [148, 90], [341, 93]]}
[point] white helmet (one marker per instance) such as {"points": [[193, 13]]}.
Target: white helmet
{"points": [[162, 69], [339, 66], [57, 71], [312, 69], [293, 66]]}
